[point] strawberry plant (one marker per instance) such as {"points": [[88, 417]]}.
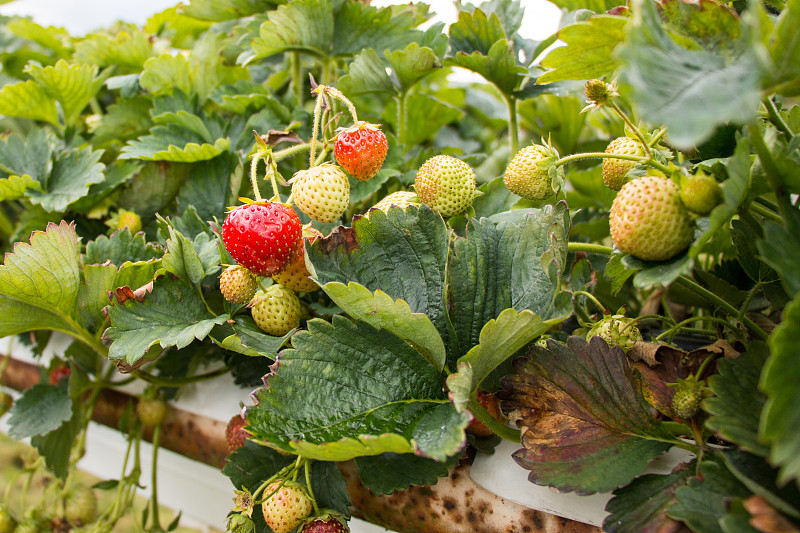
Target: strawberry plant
{"points": [[603, 236]]}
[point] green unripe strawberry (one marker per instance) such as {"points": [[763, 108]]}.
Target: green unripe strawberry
{"points": [[400, 199], [614, 170], [276, 310], [7, 522], [287, 508], [151, 411], [616, 330], [700, 193], [689, 393], [82, 506], [130, 220], [445, 184], [649, 221], [528, 173], [599, 93], [237, 284], [321, 192]]}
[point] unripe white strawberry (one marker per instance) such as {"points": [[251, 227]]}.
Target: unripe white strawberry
{"points": [[82, 506], [287, 508], [528, 173], [700, 193], [401, 199], [446, 185], [237, 284], [649, 221], [321, 192], [276, 310], [616, 330], [614, 170], [296, 275]]}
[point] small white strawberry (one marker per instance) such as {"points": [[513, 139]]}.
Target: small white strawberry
{"points": [[615, 170], [321, 192], [287, 508], [446, 185], [276, 310], [529, 172], [401, 199]]}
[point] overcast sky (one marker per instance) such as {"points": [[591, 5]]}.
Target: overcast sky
{"points": [[83, 16]]}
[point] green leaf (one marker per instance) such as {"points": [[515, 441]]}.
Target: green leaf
{"points": [[736, 406], [172, 315], [126, 49], [651, 273], [404, 254], [14, 187], [219, 10], [252, 464], [500, 339], [366, 74], [588, 53], [166, 72], [780, 418], [364, 392], [28, 99], [39, 282], [30, 157], [500, 267], [174, 142], [380, 311], [123, 121], [779, 249], [40, 410], [73, 86], [706, 499], [689, 91], [51, 38], [785, 50], [475, 32], [191, 261], [459, 386], [74, 171], [52, 445], [760, 477], [121, 247], [411, 64], [585, 425], [208, 187], [598, 6], [330, 487], [642, 504], [248, 339], [390, 472]]}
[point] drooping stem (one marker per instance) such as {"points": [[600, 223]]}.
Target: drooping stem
{"points": [[592, 298], [254, 174], [674, 329], [513, 126], [280, 155]]}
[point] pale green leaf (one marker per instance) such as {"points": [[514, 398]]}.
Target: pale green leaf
{"points": [[381, 311], [14, 187], [73, 86], [172, 143], [219, 10], [412, 64], [126, 49], [588, 50], [166, 72], [51, 38], [28, 99]]}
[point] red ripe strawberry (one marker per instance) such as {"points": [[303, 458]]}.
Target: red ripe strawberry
{"points": [[321, 192], [235, 435], [262, 236], [287, 508], [58, 373], [361, 150], [151, 411], [327, 523], [489, 402]]}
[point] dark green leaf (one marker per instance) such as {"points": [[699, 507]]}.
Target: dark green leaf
{"points": [[780, 250], [649, 273], [736, 406], [641, 506], [123, 121], [705, 500], [618, 272], [73, 172], [585, 425], [499, 267], [400, 253], [248, 339], [760, 477], [347, 390], [330, 487], [55, 446], [252, 464], [785, 50], [781, 418], [588, 50], [41, 409], [689, 91], [120, 248], [29, 157], [172, 315], [390, 472]]}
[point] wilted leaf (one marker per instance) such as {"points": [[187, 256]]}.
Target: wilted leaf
{"points": [[347, 389], [585, 426]]}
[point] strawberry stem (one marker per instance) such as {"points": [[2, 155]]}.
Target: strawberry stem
{"points": [[156, 523], [307, 466], [320, 90], [336, 93], [592, 298], [254, 174], [497, 427]]}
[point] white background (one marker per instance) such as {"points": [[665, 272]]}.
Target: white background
{"points": [[83, 16]]}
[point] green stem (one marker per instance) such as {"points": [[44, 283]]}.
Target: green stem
{"points": [[177, 382], [776, 119], [633, 128], [288, 152], [766, 213], [402, 118], [750, 295], [254, 175], [709, 296], [657, 137], [592, 298], [317, 109], [677, 327], [676, 428], [307, 468], [497, 427], [513, 125], [589, 248], [336, 93], [604, 155], [156, 523], [767, 163], [297, 75]]}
